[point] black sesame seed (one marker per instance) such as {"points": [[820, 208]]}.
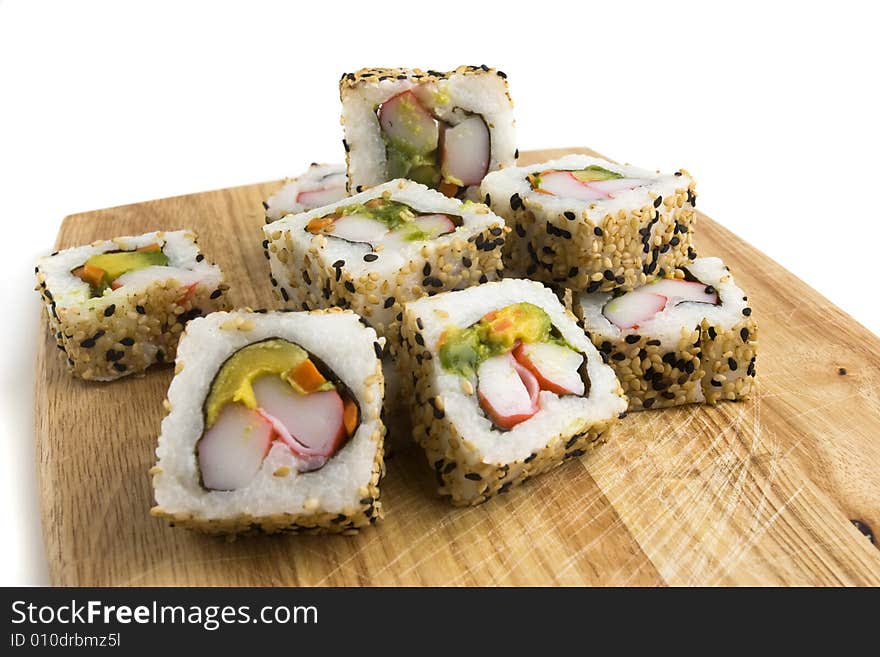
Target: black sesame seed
{"points": [[531, 269], [674, 241], [597, 232], [339, 264], [88, 343], [389, 302], [484, 279], [496, 231], [127, 342], [120, 367], [378, 349], [285, 295], [572, 441], [575, 453], [573, 272], [594, 286], [653, 343], [667, 395], [618, 356], [487, 200], [450, 467], [516, 202], [530, 458], [744, 334], [370, 257], [692, 255], [438, 414], [569, 215], [109, 310], [520, 230], [473, 476], [747, 311], [345, 145], [465, 261], [712, 333], [710, 290], [649, 402], [113, 355], [216, 293], [349, 286], [658, 201], [608, 274], [420, 323], [715, 383], [619, 280], [265, 205], [731, 363]]}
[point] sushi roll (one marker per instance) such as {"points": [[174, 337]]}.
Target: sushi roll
{"points": [[589, 224], [503, 385], [273, 424], [118, 306], [445, 130], [375, 250], [678, 340], [321, 184]]}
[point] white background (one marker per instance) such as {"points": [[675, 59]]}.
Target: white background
{"points": [[773, 108]]}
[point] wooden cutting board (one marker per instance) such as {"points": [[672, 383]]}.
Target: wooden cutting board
{"points": [[781, 490]]}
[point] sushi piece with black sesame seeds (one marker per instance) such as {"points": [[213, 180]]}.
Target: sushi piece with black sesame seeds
{"points": [[274, 422], [320, 184], [445, 130], [619, 226], [677, 340], [116, 305], [376, 250], [504, 385]]}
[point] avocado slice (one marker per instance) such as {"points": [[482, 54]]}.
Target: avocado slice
{"points": [[120, 262], [595, 172], [523, 322], [234, 381], [462, 350]]}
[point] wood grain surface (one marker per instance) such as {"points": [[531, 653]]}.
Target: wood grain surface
{"points": [[781, 490]]}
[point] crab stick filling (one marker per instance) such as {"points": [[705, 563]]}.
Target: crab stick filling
{"points": [[383, 221], [271, 392], [330, 188], [423, 148], [632, 309], [513, 354], [115, 269], [590, 184]]}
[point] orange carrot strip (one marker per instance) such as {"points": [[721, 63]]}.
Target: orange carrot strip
{"points": [[90, 274], [447, 188], [149, 247], [307, 376], [318, 224], [350, 417]]}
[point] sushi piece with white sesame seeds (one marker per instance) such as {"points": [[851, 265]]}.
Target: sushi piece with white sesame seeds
{"points": [[677, 340], [274, 424], [118, 306], [321, 184], [376, 250], [445, 130], [503, 386], [585, 223]]}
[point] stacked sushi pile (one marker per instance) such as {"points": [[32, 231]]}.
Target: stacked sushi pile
{"points": [[419, 282]]}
